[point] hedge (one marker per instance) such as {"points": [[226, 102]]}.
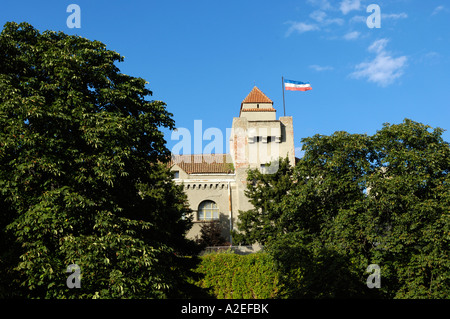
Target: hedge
{"points": [[233, 276]]}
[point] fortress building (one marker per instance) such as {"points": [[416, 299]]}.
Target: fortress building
{"points": [[215, 183]]}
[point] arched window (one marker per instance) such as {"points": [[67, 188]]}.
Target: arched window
{"points": [[207, 210]]}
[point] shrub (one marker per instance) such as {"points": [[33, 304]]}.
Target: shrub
{"points": [[211, 234], [233, 276]]}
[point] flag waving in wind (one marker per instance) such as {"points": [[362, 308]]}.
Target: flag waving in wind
{"points": [[290, 85]]}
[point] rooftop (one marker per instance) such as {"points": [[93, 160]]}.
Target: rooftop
{"points": [[204, 163], [256, 96]]}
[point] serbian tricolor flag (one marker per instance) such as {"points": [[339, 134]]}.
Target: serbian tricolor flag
{"points": [[290, 85]]}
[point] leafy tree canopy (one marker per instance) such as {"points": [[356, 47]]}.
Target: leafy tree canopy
{"points": [[82, 174], [357, 200], [264, 191]]}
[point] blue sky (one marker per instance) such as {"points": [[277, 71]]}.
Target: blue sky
{"points": [[203, 57]]}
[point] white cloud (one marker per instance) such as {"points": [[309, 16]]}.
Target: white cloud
{"points": [[432, 55], [437, 10], [352, 35], [337, 21], [321, 20], [430, 58], [322, 4], [378, 46], [384, 68], [384, 16], [394, 16], [318, 15], [320, 68], [358, 19], [349, 5], [301, 27]]}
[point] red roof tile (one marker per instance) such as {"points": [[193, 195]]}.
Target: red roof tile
{"points": [[202, 164], [256, 96]]}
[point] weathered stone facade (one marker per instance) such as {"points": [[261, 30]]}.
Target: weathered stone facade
{"points": [[215, 183]]}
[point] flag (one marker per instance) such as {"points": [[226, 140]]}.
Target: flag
{"points": [[290, 85]]}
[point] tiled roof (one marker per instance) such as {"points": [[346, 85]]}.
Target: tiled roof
{"points": [[204, 163], [259, 110], [256, 96]]}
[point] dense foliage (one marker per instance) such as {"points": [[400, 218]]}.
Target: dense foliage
{"points": [[233, 276], [82, 179], [264, 192], [358, 200], [211, 234]]}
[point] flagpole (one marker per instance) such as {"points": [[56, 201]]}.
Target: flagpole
{"points": [[282, 87]]}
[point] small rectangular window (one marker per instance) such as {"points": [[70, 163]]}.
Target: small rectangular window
{"points": [[176, 174]]}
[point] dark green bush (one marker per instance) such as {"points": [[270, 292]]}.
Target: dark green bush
{"points": [[232, 276]]}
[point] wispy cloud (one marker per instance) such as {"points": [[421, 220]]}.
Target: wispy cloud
{"points": [[318, 15], [431, 58], [300, 27], [322, 18], [384, 68], [384, 16], [394, 16], [325, 15], [320, 68], [349, 5], [358, 19], [353, 35], [437, 10], [378, 46], [322, 4]]}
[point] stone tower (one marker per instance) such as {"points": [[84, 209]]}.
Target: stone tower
{"points": [[215, 183], [257, 138]]}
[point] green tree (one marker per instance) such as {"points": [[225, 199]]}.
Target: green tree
{"points": [[211, 234], [82, 174], [328, 180], [403, 224], [409, 204], [264, 191], [358, 200]]}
